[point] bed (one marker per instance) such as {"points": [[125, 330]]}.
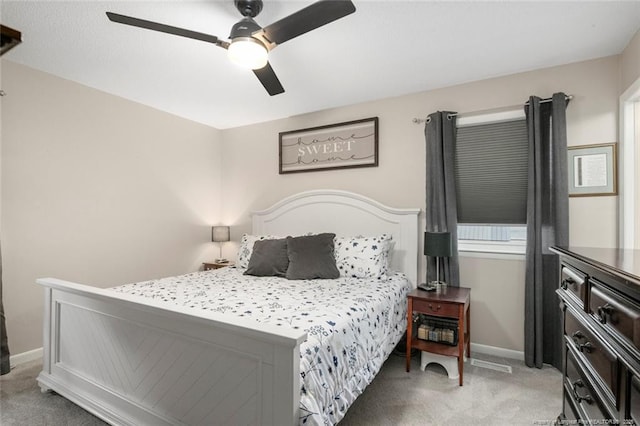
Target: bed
{"points": [[131, 356]]}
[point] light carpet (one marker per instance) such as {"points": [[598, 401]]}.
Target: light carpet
{"points": [[527, 396]]}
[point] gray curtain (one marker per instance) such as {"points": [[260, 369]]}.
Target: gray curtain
{"points": [[4, 345], [547, 225], [441, 211]]}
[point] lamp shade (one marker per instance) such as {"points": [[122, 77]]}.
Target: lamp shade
{"points": [[219, 234], [437, 244]]}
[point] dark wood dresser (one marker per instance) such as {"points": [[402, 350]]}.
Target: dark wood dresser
{"points": [[600, 297]]}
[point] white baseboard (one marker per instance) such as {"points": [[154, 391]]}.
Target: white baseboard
{"points": [[475, 348], [24, 357], [495, 351]]}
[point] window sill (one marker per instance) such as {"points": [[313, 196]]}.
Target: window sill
{"points": [[492, 250], [491, 254]]}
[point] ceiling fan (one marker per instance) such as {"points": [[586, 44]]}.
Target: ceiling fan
{"points": [[249, 43]]}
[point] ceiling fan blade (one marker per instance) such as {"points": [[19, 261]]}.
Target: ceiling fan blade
{"points": [[311, 17], [269, 80], [154, 26]]}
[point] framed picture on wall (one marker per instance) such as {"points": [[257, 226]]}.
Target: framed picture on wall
{"points": [[592, 170], [335, 146]]}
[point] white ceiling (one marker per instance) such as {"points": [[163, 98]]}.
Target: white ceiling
{"points": [[386, 48]]}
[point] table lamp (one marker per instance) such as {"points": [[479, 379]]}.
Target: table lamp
{"points": [[437, 244], [220, 234]]}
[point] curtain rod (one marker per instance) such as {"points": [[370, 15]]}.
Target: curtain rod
{"points": [[542, 101]]}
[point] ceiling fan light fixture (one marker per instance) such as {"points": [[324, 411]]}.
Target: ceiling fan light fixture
{"points": [[249, 44], [248, 53]]}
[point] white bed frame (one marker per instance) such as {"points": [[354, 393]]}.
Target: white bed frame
{"points": [[132, 361]]}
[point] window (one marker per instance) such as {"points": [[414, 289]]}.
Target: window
{"points": [[508, 239], [491, 182]]}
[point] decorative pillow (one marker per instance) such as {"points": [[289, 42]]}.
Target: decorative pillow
{"points": [[246, 248], [269, 258], [311, 257], [363, 257]]}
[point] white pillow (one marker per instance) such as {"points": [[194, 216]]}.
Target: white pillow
{"points": [[363, 257], [246, 248]]}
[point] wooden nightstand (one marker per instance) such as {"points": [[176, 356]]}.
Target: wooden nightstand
{"points": [[451, 302], [216, 265]]}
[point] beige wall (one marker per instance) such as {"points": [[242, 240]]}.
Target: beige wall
{"points": [[630, 63], [98, 190], [252, 181], [101, 190]]}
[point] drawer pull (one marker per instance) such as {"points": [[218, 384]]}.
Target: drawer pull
{"points": [[577, 335], [585, 347], [565, 283], [604, 312], [437, 308], [579, 398], [582, 347]]}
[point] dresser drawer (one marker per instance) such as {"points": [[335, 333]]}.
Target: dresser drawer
{"points": [[569, 411], [440, 309], [581, 391], [595, 353], [633, 410], [620, 315], [574, 283]]}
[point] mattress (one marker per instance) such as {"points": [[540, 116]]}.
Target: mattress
{"points": [[352, 324]]}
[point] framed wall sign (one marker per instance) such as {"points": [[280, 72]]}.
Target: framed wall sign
{"points": [[342, 145], [592, 170]]}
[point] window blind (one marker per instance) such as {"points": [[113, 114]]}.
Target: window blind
{"points": [[491, 172]]}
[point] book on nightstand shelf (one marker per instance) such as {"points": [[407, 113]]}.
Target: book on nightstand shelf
{"points": [[438, 330]]}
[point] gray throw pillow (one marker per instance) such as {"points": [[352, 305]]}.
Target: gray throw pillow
{"points": [[311, 257], [269, 258]]}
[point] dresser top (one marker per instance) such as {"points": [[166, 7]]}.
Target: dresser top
{"points": [[622, 262]]}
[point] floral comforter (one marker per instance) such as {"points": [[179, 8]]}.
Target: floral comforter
{"points": [[352, 324]]}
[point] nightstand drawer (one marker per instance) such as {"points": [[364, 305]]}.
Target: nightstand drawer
{"points": [[439, 309]]}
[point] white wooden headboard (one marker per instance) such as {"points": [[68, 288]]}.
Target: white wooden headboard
{"points": [[345, 214]]}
